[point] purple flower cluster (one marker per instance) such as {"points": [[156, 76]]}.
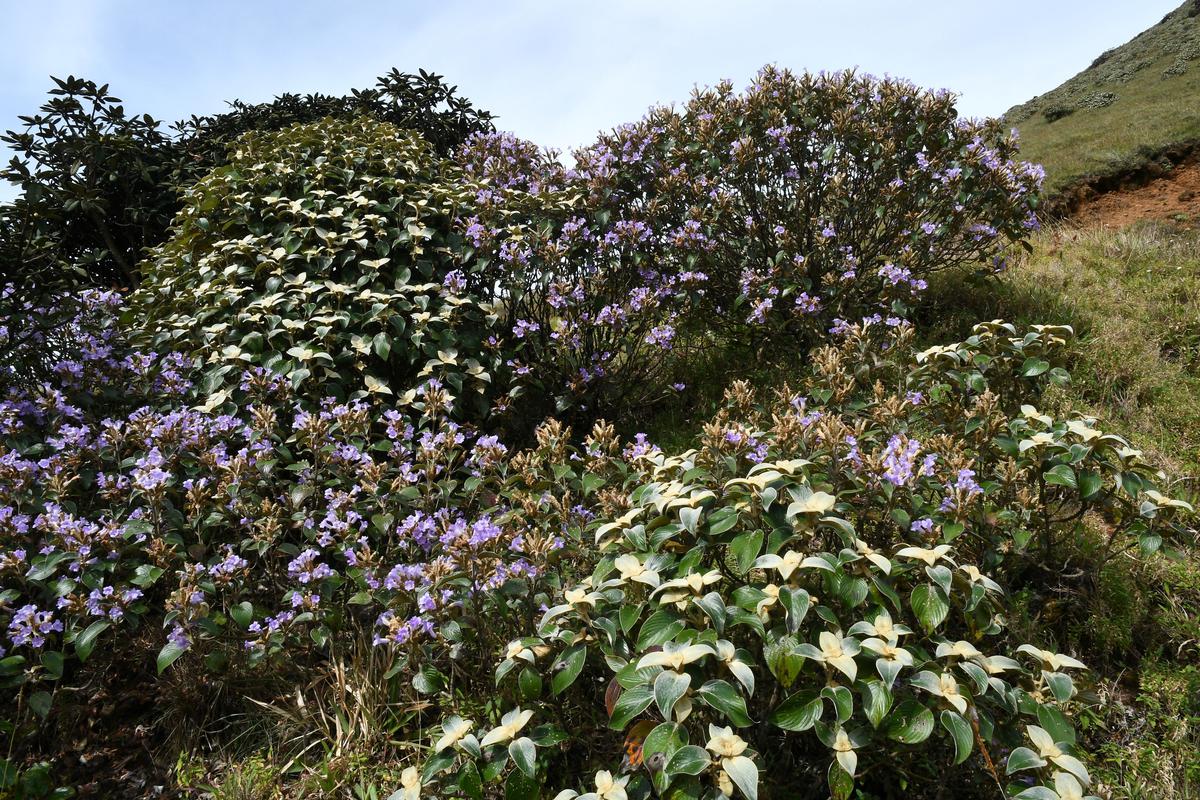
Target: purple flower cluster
{"points": [[316, 486], [641, 446], [108, 602], [30, 626], [305, 568], [961, 490], [899, 460]]}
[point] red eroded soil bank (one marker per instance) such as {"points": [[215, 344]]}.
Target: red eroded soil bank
{"points": [[1174, 193]]}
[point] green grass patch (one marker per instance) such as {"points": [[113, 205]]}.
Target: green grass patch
{"points": [[1133, 297]]}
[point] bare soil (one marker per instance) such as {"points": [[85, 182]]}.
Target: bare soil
{"points": [[1174, 195]]}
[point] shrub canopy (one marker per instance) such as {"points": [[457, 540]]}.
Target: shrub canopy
{"points": [[776, 214], [831, 562], [282, 454], [324, 253], [99, 185]]}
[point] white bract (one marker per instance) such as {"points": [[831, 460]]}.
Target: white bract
{"points": [[929, 555], [510, 725], [632, 569], [835, 651], [453, 730], [675, 656]]}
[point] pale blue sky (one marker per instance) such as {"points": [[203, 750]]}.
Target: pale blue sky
{"points": [[554, 72]]}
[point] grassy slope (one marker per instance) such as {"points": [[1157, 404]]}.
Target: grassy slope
{"points": [[1155, 79], [1133, 297]]}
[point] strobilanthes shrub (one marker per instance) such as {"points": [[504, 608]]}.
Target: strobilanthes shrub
{"points": [[799, 206]]}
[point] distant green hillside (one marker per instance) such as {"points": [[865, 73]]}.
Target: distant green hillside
{"points": [[1132, 105]]}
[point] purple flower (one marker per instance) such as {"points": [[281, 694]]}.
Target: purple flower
{"points": [[305, 567], [964, 481], [30, 626], [396, 631], [853, 455], [483, 530], [179, 638], [898, 460], [149, 475], [524, 328], [661, 335], [961, 489], [640, 446], [225, 569], [807, 304], [759, 314]]}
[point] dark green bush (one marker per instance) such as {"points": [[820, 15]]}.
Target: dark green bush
{"points": [[100, 185]]}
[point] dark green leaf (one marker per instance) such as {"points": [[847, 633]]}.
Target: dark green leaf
{"points": [[1060, 475], [689, 760], [520, 786], [930, 608], [168, 655], [960, 732], [799, 712], [567, 668], [744, 549], [910, 723], [724, 698], [86, 641], [631, 703]]}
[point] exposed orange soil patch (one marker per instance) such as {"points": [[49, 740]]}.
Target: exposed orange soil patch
{"points": [[1176, 192]]}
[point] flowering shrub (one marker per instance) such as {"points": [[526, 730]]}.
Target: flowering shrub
{"points": [[590, 289], [67, 356], [829, 562], [256, 534], [588, 333], [804, 202], [288, 449], [821, 576], [321, 253], [835, 195]]}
